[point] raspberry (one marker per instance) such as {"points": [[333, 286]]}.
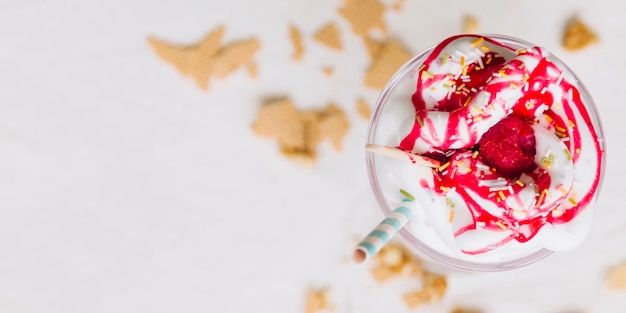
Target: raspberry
{"points": [[508, 146]]}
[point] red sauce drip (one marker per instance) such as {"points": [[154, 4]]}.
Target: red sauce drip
{"points": [[535, 97]]}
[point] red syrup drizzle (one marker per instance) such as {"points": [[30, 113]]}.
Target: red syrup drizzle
{"points": [[532, 98]]}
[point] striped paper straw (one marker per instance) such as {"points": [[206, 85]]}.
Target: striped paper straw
{"points": [[385, 230]]}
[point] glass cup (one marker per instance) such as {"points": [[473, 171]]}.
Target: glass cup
{"points": [[391, 111]]}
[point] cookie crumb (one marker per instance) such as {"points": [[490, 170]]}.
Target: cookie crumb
{"points": [[364, 15], [616, 278], [577, 35], [465, 310], [296, 41], [392, 261], [328, 70], [195, 61], [234, 55], [363, 109], [372, 45], [388, 60], [398, 5], [317, 300], [207, 58], [333, 125], [470, 24], [329, 36], [299, 132], [252, 69], [433, 288]]}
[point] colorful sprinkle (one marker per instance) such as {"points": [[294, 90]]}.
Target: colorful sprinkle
{"points": [[567, 154], [407, 194], [501, 225], [450, 202]]}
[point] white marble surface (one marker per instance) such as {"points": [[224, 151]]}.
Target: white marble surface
{"points": [[124, 188]]}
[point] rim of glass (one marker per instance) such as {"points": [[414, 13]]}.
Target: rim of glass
{"points": [[446, 260]]}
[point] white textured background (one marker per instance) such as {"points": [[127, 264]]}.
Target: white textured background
{"points": [[125, 188]]}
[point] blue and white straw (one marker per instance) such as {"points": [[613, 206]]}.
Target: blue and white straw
{"points": [[385, 230]]}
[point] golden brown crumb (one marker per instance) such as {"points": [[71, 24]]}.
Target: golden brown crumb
{"points": [[252, 69], [329, 36], [373, 46], [281, 120], [470, 25], [195, 61], [577, 35], [299, 132], [363, 109], [390, 58], [333, 125], [296, 40], [394, 260], [616, 278], [317, 300], [433, 288], [364, 15], [464, 310], [398, 5], [233, 56], [207, 58], [328, 70]]}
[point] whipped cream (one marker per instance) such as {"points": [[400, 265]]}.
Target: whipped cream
{"points": [[465, 208]]}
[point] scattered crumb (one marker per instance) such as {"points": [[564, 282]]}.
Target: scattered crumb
{"points": [[364, 15], [234, 55], [299, 132], [329, 36], [470, 25], [363, 109], [252, 69], [616, 279], [194, 61], [398, 5], [394, 260], [433, 289], [373, 46], [390, 58], [317, 300], [207, 58], [464, 310], [296, 40], [328, 70], [333, 125], [577, 35]]}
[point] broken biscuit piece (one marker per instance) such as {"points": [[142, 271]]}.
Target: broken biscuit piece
{"points": [[207, 58], [296, 41], [364, 15], [577, 35], [373, 46], [433, 288], [363, 109], [464, 310], [317, 300], [392, 261], [470, 25], [616, 278], [329, 36], [233, 56], [195, 61], [299, 132], [391, 56]]}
